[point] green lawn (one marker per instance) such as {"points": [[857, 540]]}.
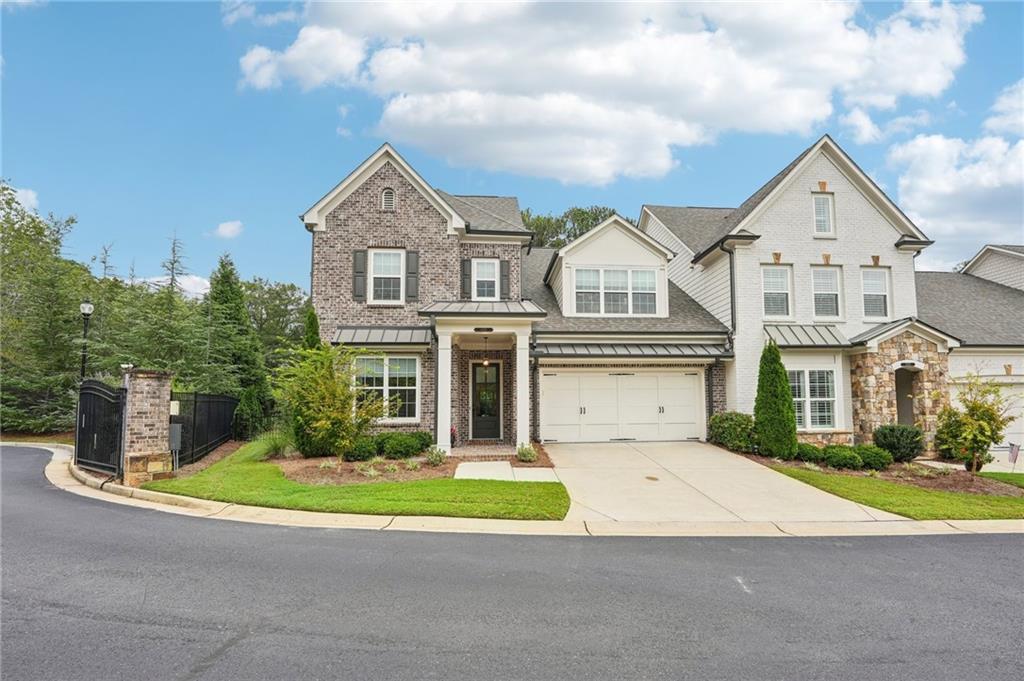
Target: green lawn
{"points": [[245, 478], [1011, 478], [910, 501]]}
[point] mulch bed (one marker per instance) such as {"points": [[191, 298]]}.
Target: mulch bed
{"points": [[918, 475], [229, 447], [310, 472]]}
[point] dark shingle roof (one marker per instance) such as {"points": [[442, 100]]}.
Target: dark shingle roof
{"points": [[644, 350], [488, 213], [692, 224], [975, 310], [1014, 248], [685, 315]]}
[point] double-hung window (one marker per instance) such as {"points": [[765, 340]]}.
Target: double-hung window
{"points": [[485, 279], [393, 380], [825, 284], [386, 280], [775, 281], [616, 291], [875, 282], [814, 397], [824, 215]]}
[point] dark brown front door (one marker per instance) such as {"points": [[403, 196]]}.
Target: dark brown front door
{"points": [[486, 412]]}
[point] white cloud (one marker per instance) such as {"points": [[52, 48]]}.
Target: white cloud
{"points": [[865, 131], [233, 11], [589, 93], [192, 285], [12, 5], [228, 230], [1008, 111], [962, 193], [28, 198]]}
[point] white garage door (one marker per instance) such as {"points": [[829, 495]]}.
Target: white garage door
{"points": [[1014, 393], [600, 406]]}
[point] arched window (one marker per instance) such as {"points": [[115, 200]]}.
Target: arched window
{"points": [[387, 199]]}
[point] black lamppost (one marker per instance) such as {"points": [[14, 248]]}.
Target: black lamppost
{"points": [[86, 308]]}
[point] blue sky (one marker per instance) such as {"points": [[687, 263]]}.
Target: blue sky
{"points": [[149, 119]]}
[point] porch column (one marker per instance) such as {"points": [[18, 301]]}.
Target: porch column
{"points": [[522, 389], [444, 391]]}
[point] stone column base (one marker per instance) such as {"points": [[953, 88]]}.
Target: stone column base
{"points": [[140, 468], [832, 437]]}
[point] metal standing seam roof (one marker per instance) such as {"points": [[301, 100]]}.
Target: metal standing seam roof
{"points": [[806, 336], [381, 335], [632, 350], [502, 308]]}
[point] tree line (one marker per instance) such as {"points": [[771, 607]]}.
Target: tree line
{"points": [[224, 342]]}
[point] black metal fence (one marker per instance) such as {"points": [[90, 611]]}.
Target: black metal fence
{"points": [[98, 435], [205, 423]]}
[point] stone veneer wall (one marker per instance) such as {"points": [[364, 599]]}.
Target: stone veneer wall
{"points": [[832, 437], [874, 385], [147, 415], [461, 360]]}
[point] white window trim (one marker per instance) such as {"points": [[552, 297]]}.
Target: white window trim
{"points": [[831, 234], [888, 293], [600, 290], [789, 277], [840, 303], [387, 388], [370, 300], [807, 399], [497, 279]]}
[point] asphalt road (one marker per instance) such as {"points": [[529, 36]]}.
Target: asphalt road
{"points": [[94, 590]]}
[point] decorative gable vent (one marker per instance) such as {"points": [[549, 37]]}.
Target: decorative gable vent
{"points": [[387, 199]]}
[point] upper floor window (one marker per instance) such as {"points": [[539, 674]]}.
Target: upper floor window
{"points": [[824, 215], [386, 280], [616, 291], [485, 279], [825, 288], [387, 199], [876, 292], [776, 283]]}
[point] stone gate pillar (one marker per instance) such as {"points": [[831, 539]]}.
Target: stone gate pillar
{"points": [[147, 414]]}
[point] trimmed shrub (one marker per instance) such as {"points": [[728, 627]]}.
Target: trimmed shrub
{"points": [[435, 456], [526, 453], [805, 451], [363, 449], [733, 430], [401, 446], [382, 440], [842, 456], [905, 443], [425, 438], [774, 419], [874, 457]]}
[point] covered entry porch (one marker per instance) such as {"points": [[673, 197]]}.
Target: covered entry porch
{"points": [[483, 371]]}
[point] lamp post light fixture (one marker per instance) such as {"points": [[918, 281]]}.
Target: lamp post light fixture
{"points": [[86, 309]]}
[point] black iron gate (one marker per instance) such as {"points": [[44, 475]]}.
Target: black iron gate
{"points": [[205, 423], [98, 437]]}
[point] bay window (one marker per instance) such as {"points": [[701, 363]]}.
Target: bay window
{"points": [[615, 291], [393, 380]]}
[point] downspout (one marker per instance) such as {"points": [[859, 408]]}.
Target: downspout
{"points": [[732, 291]]}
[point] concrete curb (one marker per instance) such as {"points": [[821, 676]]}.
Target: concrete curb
{"points": [[64, 475]]}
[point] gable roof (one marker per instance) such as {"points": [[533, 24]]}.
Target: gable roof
{"points": [[888, 329], [703, 237], [1012, 250], [691, 224], [975, 310], [313, 218], [685, 315], [499, 214], [614, 220]]}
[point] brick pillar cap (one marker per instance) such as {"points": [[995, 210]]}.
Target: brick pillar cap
{"points": [[148, 372]]}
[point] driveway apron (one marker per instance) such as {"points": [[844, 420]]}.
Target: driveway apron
{"points": [[688, 481]]}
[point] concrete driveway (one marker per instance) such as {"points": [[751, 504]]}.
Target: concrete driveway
{"points": [[688, 481]]}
